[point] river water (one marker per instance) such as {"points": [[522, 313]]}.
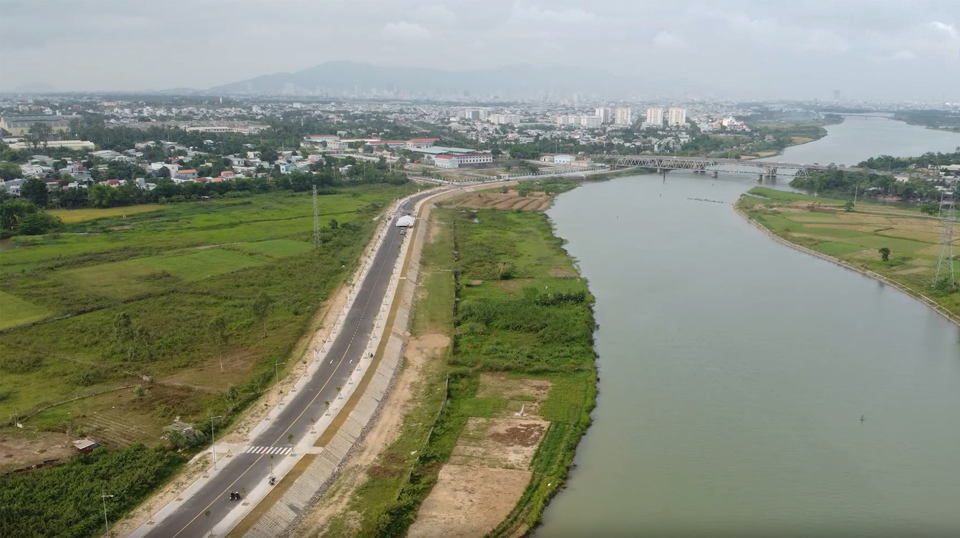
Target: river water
{"points": [[734, 371]]}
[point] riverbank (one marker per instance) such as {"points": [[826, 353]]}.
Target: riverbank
{"points": [[818, 227], [496, 391]]}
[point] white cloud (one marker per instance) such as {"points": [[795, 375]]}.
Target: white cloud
{"points": [[948, 29], [477, 44], [406, 31], [667, 41], [435, 13], [533, 13]]}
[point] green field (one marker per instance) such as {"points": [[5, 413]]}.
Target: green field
{"points": [[70, 216], [170, 272], [16, 311], [857, 236], [202, 264], [522, 310]]}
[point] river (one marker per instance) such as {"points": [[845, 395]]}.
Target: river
{"points": [[734, 371]]}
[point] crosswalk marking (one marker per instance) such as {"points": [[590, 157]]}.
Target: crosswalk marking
{"points": [[267, 450]]}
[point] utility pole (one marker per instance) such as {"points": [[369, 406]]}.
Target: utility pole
{"points": [[316, 220], [213, 437], [106, 524]]}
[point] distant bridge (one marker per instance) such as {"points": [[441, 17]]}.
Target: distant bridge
{"points": [[702, 165]]}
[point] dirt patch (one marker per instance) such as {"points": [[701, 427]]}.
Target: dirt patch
{"points": [[468, 501], [25, 449], [507, 443], [501, 386], [506, 201]]}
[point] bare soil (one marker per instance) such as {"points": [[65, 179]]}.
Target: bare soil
{"points": [[24, 449], [507, 443], [468, 501], [489, 467], [507, 201]]}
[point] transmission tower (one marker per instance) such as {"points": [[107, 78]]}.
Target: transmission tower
{"points": [[946, 244], [316, 220]]}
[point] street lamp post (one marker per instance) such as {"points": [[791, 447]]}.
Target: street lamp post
{"points": [[213, 437], [276, 371], [104, 497]]}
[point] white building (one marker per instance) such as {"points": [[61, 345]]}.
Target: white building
{"points": [[605, 114], [654, 116], [676, 117], [563, 159], [456, 161], [504, 119], [591, 122], [623, 116]]}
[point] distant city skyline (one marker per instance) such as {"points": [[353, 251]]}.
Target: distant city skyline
{"points": [[865, 50]]}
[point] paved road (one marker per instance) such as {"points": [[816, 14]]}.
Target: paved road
{"points": [[254, 465]]}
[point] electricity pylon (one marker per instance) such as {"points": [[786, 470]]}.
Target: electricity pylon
{"points": [[946, 243]]}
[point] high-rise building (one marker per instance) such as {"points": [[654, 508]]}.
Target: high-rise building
{"points": [[590, 121], [676, 117], [604, 114], [623, 116], [504, 119], [654, 116]]}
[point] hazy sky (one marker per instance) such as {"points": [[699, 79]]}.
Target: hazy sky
{"points": [[796, 49]]}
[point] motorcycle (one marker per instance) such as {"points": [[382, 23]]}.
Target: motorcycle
{"points": [[272, 480], [235, 496]]}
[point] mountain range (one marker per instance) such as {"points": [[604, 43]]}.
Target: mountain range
{"points": [[514, 81]]}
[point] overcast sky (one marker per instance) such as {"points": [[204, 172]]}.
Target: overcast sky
{"points": [[790, 49]]}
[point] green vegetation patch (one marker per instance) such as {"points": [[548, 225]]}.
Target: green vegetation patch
{"points": [[203, 264], [64, 500], [836, 249], [16, 311], [277, 248], [482, 407]]}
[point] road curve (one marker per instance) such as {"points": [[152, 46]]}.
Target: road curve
{"points": [[198, 514]]}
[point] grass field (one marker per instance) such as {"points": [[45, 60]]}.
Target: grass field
{"points": [[521, 309], [16, 311], [70, 216], [856, 237], [170, 270]]}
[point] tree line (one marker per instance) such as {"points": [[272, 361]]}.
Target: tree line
{"points": [[25, 216]]}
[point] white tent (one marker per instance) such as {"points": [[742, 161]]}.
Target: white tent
{"points": [[405, 221]]}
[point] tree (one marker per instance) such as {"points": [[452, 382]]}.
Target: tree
{"points": [[930, 208], [218, 331], [884, 254], [261, 309], [139, 392], [39, 133], [35, 190], [10, 171], [13, 212], [848, 206], [39, 223]]}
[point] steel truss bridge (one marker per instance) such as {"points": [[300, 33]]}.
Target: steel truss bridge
{"points": [[702, 165]]}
